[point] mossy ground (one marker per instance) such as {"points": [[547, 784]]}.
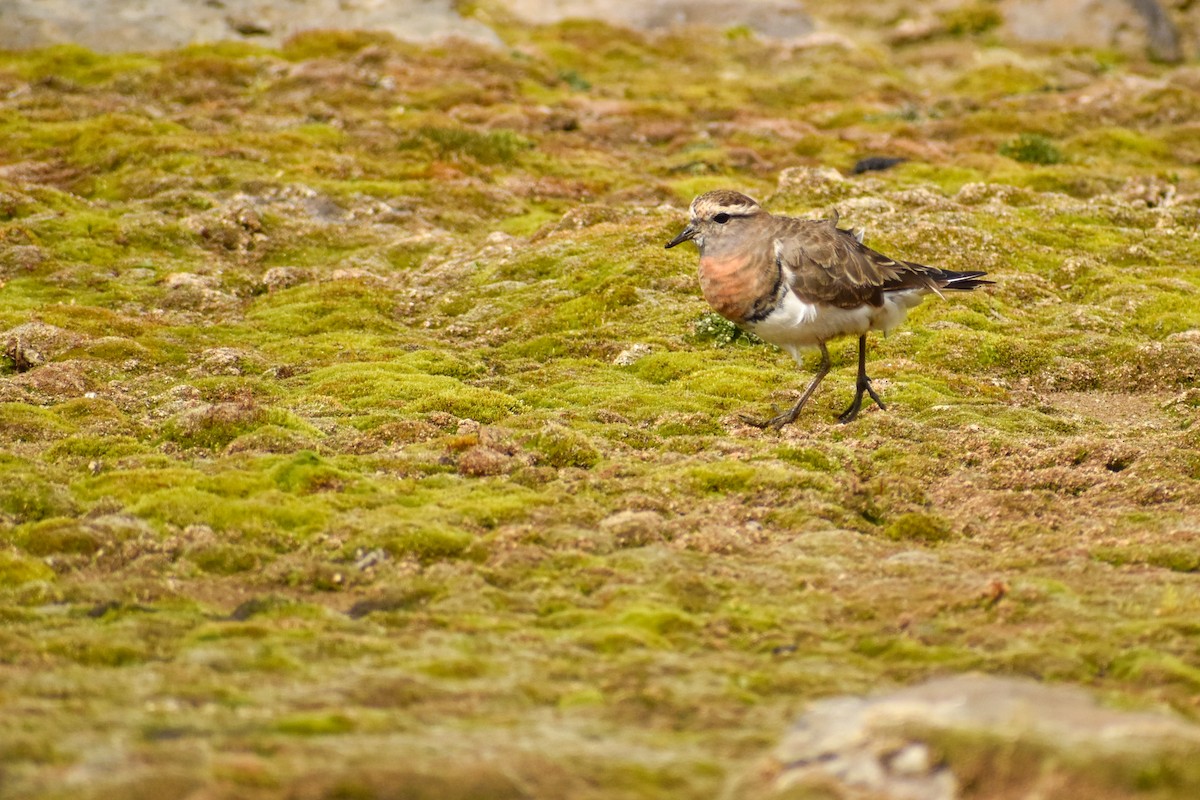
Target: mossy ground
{"points": [[321, 475]]}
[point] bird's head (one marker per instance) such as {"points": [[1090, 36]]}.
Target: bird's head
{"points": [[716, 215]]}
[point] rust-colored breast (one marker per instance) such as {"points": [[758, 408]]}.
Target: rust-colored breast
{"points": [[734, 285]]}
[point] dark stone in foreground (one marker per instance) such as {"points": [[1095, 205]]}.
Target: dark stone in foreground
{"points": [[877, 163]]}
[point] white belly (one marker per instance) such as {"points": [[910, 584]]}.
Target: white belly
{"points": [[797, 324]]}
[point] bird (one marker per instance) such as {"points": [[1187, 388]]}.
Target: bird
{"points": [[799, 283]]}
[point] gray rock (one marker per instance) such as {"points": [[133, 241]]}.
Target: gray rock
{"points": [[1125, 24], [632, 354], [777, 19], [883, 746], [34, 343], [20, 258], [122, 25]]}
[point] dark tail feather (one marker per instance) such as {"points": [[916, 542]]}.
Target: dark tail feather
{"points": [[960, 281], [932, 279]]}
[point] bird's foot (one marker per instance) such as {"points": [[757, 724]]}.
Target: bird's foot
{"points": [[850, 413], [864, 386], [775, 423]]}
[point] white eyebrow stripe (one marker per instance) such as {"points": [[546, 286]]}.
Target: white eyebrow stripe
{"points": [[733, 211]]}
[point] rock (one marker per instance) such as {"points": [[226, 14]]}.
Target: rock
{"points": [[277, 278], [20, 258], [34, 343], [884, 746], [1130, 25], [190, 290], [632, 354], [585, 216], [223, 361], [813, 186], [776, 19], [124, 25], [1148, 191], [234, 228], [356, 274], [59, 381]]}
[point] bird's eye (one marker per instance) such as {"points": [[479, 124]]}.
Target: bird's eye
{"points": [[721, 219]]}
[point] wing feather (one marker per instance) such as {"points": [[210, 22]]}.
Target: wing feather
{"points": [[828, 265]]}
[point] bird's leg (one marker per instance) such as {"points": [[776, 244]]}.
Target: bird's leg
{"points": [[862, 385], [779, 420]]}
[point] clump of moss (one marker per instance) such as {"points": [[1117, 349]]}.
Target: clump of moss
{"points": [[556, 446], [1176, 559], [28, 497], [665, 367], [809, 458], [306, 473], [16, 569], [314, 724], [919, 527], [1032, 148], [970, 20], [24, 422], [428, 542], [214, 426], [227, 559], [487, 147], [722, 477], [62, 535], [331, 43]]}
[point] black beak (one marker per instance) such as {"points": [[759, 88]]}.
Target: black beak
{"points": [[688, 233]]}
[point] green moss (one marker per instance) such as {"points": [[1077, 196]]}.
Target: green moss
{"points": [[61, 535], [1010, 765], [227, 559], [723, 477], [662, 621], [490, 147], [271, 439], [1122, 144], [425, 542], [214, 426], [919, 527], [561, 447], [28, 497], [16, 570], [809, 458], [314, 724], [24, 423], [1177, 559], [338, 307], [613, 640], [1030, 148], [456, 669], [638, 564], [79, 65], [590, 697], [367, 386], [971, 19], [1001, 78], [307, 472], [261, 515], [666, 367], [100, 652]]}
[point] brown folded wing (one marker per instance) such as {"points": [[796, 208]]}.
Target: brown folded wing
{"points": [[828, 265]]}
